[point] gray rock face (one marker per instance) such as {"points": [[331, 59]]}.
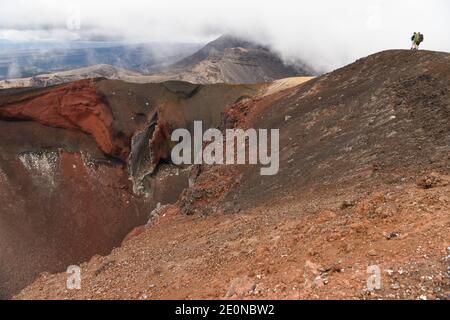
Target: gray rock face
{"points": [[232, 60]]}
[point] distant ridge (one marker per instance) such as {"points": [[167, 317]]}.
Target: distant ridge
{"points": [[225, 60]]}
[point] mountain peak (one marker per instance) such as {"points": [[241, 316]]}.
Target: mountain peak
{"points": [[231, 41]]}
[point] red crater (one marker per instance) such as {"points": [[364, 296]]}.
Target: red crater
{"points": [[77, 105]]}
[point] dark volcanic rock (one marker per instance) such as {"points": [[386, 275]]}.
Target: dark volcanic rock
{"points": [[232, 60]]}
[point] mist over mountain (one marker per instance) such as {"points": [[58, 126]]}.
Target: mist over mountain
{"points": [[231, 59], [324, 33], [227, 59], [19, 60]]}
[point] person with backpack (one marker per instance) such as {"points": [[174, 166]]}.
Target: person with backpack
{"points": [[416, 39]]}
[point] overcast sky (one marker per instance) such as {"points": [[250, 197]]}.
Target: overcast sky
{"points": [[327, 33]]}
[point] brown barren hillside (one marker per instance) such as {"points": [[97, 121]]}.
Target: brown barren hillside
{"points": [[363, 182]]}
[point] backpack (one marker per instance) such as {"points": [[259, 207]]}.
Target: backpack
{"points": [[421, 38]]}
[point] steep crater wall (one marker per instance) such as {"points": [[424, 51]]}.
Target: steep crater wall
{"points": [[71, 157]]}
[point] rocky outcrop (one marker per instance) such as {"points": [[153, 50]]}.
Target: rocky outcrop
{"points": [[148, 148], [77, 106]]}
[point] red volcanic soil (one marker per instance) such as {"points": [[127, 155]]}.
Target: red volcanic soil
{"points": [[76, 105]]}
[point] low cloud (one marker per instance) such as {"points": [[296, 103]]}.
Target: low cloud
{"points": [[324, 33]]}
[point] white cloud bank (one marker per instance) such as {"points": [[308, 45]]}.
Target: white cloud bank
{"points": [[326, 33]]}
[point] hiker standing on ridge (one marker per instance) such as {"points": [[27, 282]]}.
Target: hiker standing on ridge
{"points": [[416, 39]]}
